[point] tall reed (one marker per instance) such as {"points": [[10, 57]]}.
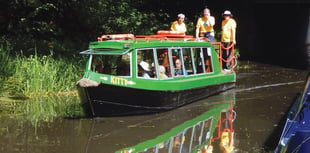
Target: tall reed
{"points": [[41, 88], [41, 75]]}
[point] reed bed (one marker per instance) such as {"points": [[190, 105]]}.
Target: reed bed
{"points": [[41, 75], [40, 88]]}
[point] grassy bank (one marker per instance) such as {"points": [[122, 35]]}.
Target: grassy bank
{"points": [[40, 88], [32, 76]]}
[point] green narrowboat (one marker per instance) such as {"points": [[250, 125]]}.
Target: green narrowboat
{"points": [[129, 75]]}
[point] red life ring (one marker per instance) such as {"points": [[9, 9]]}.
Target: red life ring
{"points": [[116, 37], [169, 32]]}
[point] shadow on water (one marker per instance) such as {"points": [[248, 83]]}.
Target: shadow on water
{"points": [[56, 124]]}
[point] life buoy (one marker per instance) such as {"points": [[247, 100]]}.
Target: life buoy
{"points": [[169, 32], [116, 37]]}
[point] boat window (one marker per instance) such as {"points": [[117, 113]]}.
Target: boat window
{"points": [[163, 147], [197, 134], [198, 60], [207, 60], [206, 135], [178, 62], [178, 141], [163, 63], [187, 142], [145, 63], [188, 63], [206, 131], [202, 60], [111, 64]]}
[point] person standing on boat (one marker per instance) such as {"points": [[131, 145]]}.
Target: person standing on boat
{"points": [[204, 26], [179, 25], [143, 69], [228, 38]]}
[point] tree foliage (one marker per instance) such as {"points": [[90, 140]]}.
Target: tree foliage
{"points": [[67, 26]]}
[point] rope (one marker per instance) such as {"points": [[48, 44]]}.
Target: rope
{"points": [[229, 60], [232, 44], [133, 106]]}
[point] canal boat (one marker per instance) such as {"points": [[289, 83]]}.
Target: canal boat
{"points": [[295, 136], [128, 75]]}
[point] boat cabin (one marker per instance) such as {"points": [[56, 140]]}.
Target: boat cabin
{"points": [[152, 57]]}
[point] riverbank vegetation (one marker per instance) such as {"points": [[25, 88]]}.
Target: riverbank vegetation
{"points": [[34, 75], [41, 88]]}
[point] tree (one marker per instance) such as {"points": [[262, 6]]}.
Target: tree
{"points": [[67, 26]]}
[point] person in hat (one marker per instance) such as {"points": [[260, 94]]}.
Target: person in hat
{"points": [[143, 69], [179, 25], [228, 38], [162, 72], [204, 26]]}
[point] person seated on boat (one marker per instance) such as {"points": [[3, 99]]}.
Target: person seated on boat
{"points": [[123, 69], [143, 69], [208, 65], [106, 69], [162, 72], [179, 25], [178, 68]]}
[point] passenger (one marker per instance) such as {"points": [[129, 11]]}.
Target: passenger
{"points": [[228, 38], [208, 65], [106, 69], [164, 60], [204, 26], [178, 144], [123, 69], [179, 25], [143, 69], [178, 68], [162, 72]]}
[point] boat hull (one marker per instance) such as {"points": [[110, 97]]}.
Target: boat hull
{"points": [[296, 132], [109, 100]]}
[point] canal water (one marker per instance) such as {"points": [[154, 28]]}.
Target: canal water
{"points": [[262, 96]]}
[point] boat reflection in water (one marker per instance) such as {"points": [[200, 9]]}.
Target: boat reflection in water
{"points": [[210, 132]]}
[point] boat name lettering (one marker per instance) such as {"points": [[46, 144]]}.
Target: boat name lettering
{"points": [[119, 81]]}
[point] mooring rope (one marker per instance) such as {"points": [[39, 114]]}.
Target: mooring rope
{"points": [[133, 106]]}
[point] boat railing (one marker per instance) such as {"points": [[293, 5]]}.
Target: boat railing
{"points": [[171, 36], [219, 49], [163, 38]]}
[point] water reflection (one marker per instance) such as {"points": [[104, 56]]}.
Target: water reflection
{"points": [[47, 109], [207, 133]]}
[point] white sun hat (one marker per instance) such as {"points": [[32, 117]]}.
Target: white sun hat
{"points": [[161, 69], [145, 65], [226, 12]]}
